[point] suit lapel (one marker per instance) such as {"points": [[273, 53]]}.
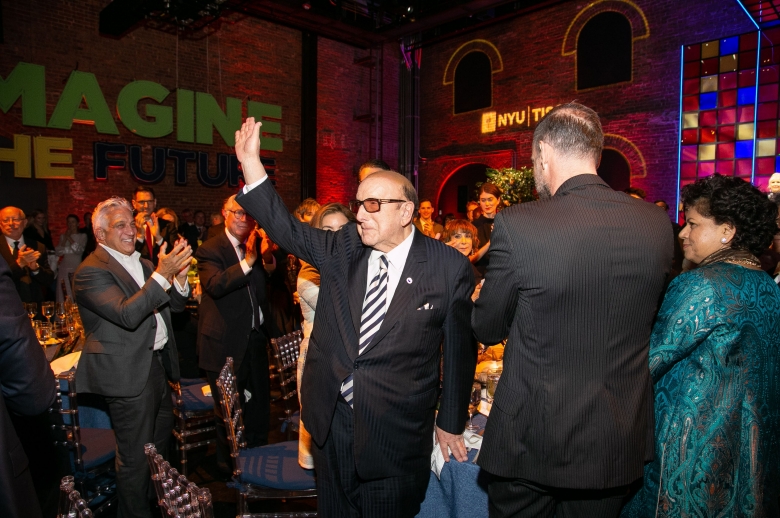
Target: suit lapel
{"points": [[404, 292], [128, 283]]}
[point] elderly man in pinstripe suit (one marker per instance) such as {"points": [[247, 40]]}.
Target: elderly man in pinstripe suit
{"points": [[574, 281], [391, 299]]}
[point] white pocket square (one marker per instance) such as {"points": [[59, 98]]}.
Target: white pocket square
{"points": [[425, 307]]}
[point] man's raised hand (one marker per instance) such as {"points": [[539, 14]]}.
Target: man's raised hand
{"points": [[248, 150]]}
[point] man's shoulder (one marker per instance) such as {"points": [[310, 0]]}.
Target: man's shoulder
{"points": [[211, 246]]}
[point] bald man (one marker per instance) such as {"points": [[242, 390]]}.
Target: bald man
{"points": [[391, 300], [28, 262]]}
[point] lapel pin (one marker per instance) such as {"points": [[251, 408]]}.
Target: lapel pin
{"points": [[408, 280]]}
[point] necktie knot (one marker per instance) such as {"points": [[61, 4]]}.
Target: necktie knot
{"points": [[16, 245]]}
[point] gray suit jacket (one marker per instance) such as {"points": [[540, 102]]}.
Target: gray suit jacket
{"points": [[119, 324]]}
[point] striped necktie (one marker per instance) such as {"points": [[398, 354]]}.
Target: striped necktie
{"points": [[373, 314]]}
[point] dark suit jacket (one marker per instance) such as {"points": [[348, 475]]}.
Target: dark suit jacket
{"points": [[575, 282], [31, 288], [214, 230], [26, 388], [397, 376], [190, 232], [225, 312], [170, 235], [120, 326]]}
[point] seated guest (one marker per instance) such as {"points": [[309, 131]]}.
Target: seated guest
{"points": [[715, 363], [152, 232], [27, 388], [216, 228], [425, 223], [129, 349], [331, 217], [71, 248], [28, 263], [37, 230], [462, 236], [233, 321]]}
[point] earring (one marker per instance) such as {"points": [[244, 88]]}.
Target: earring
{"points": [[723, 240]]}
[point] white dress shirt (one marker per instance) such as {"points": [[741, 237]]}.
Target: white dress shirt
{"points": [[247, 270], [11, 242], [132, 264]]}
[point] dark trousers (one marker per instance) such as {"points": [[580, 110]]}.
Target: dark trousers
{"points": [[341, 493], [145, 418], [252, 376], [518, 498]]}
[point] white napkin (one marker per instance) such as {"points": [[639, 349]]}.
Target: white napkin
{"points": [[65, 363], [472, 440]]}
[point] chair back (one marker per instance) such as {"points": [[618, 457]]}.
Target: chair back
{"points": [[70, 504], [231, 412], [286, 350], [64, 417], [176, 496]]}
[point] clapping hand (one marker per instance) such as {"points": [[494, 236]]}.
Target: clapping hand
{"points": [[154, 226], [28, 258], [251, 248], [176, 262]]}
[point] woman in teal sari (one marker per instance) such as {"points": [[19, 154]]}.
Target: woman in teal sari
{"points": [[715, 363]]}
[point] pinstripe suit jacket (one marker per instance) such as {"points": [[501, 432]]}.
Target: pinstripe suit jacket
{"points": [[397, 376], [575, 282]]}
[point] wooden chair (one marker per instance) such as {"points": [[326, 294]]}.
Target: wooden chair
{"points": [[194, 418], [176, 496], [264, 473]]}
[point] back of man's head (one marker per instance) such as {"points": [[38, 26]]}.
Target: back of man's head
{"points": [[573, 131], [372, 166]]}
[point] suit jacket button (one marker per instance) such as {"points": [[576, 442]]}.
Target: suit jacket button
{"points": [[355, 366]]}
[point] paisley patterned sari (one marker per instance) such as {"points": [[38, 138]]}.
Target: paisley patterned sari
{"points": [[715, 363]]}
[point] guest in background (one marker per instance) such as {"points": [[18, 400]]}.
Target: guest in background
{"points": [[371, 167], [37, 230], [425, 223], [26, 390], [677, 259], [216, 226], [574, 282], [489, 203], [331, 217], [774, 187], [470, 206], [635, 192], [152, 231], [188, 229], [715, 363], [70, 249], [170, 216], [28, 263], [130, 351], [87, 231], [306, 210], [462, 236], [233, 321]]}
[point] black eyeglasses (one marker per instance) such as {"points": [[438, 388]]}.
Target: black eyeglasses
{"points": [[370, 204], [240, 214]]}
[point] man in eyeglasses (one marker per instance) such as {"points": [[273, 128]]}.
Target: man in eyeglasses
{"points": [[391, 300], [152, 232], [234, 321], [29, 267]]}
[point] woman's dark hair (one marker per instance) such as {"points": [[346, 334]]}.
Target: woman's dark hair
{"points": [[489, 188], [327, 210], [456, 226], [72, 216], [734, 201]]}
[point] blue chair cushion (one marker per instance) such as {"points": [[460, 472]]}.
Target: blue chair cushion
{"points": [[193, 399], [184, 382], [98, 446], [275, 466]]}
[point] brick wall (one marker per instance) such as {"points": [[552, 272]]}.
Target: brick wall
{"points": [[246, 58], [535, 74]]}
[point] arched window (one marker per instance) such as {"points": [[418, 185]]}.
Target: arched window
{"points": [[604, 51], [473, 83], [614, 170]]}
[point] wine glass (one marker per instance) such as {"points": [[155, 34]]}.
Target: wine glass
{"points": [[61, 311], [47, 308], [476, 397], [32, 309], [492, 383]]}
